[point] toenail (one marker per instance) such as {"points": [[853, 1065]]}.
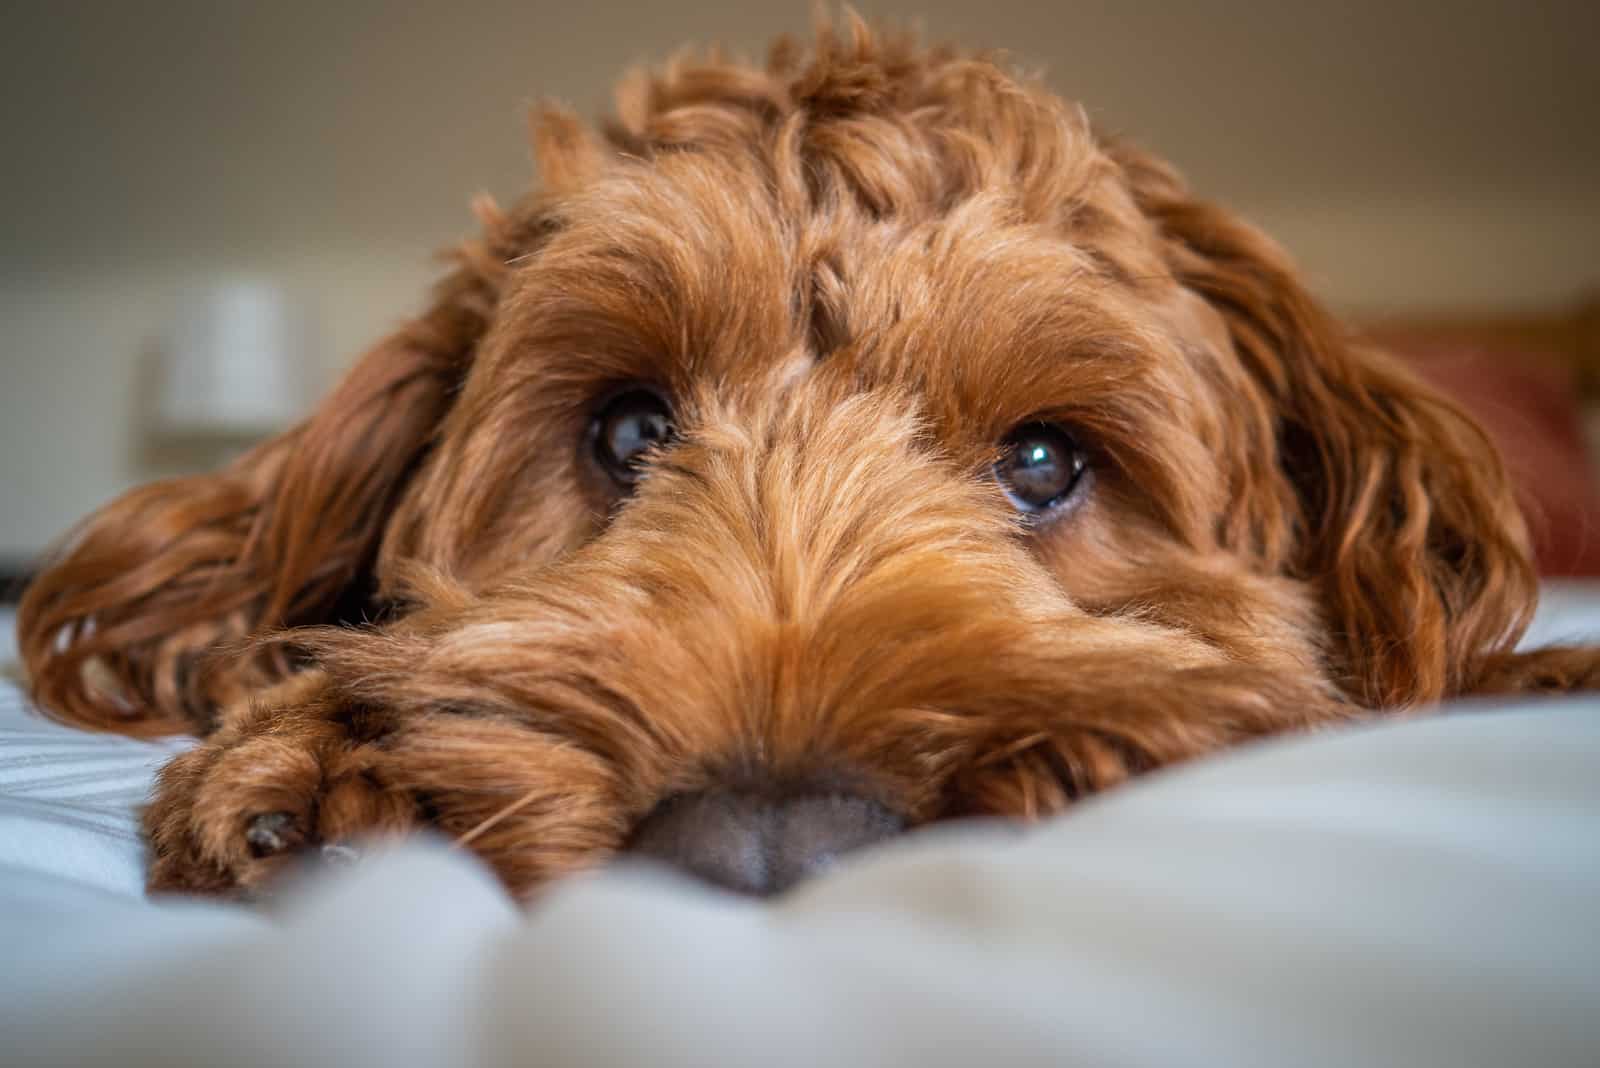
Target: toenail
{"points": [[269, 833], [340, 856]]}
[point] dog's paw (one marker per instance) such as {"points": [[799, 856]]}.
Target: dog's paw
{"points": [[270, 833], [280, 783]]}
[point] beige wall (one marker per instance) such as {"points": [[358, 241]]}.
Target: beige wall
{"points": [[1431, 154]]}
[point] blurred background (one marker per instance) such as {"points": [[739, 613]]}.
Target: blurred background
{"points": [[207, 209]]}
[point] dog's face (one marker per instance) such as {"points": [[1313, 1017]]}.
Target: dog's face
{"points": [[866, 420]]}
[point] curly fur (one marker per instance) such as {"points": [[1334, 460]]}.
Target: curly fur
{"points": [[854, 269]]}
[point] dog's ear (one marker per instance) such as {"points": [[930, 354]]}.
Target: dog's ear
{"points": [[1378, 490], [115, 627]]}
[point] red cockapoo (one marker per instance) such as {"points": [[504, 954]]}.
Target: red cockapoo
{"points": [[822, 449]]}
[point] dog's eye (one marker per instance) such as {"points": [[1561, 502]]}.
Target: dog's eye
{"points": [[1041, 468], [626, 429]]}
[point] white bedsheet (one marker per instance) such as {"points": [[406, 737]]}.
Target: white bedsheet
{"points": [[1423, 893]]}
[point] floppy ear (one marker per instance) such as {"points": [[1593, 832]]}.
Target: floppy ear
{"points": [[115, 627], [1381, 492]]}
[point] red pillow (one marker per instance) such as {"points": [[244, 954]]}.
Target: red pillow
{"points": [[1529, 404]]}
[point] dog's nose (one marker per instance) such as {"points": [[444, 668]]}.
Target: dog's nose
{"points": [[760, 845]]}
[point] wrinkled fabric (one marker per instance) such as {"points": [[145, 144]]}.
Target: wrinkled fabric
{"points": [[1411, 893]]}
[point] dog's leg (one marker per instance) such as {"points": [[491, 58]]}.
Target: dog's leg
{"points": [[1035, 762], [1557, 669], [283, 771], [299, 769]]}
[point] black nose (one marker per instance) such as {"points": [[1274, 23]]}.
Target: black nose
{"points": [[756, 844]]}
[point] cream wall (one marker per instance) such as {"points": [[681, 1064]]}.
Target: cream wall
{"points": [[1412, 155]]}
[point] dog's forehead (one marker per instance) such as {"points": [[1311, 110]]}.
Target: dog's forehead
{"points": [[693, 268]]}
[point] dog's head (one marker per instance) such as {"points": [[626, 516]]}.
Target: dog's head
{"points": [[866, 418]]}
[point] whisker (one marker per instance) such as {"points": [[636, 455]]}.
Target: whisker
{"points": [[466, 839]]}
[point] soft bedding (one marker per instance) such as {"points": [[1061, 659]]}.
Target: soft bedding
{"points": [[1417, 893]]}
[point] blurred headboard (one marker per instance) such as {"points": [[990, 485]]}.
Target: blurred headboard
{"points": [[1570, 335], [1533, 383]]}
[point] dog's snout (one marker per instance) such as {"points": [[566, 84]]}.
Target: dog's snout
{"points": [[756, 844]]}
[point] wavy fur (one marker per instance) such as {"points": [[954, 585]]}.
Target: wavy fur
{"points": [[854, 269]]}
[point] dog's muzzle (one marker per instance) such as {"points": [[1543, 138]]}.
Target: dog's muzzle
{"points": [[756, 844]]}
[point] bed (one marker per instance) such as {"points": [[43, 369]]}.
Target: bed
{"points": [[1417, 893], [1414, 893]]}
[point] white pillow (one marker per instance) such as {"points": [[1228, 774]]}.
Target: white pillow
{"points": [[1416, 893], [68, 797]]}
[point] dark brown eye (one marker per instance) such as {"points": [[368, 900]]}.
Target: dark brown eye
{"points": [[626, 429], [1042, 467]]}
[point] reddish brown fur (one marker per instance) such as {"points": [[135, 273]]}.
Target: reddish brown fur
{"points": [[854, 270]]}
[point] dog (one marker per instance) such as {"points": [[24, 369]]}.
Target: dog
{"points": [[822, 449]]}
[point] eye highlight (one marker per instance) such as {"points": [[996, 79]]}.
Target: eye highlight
{"points": [[626, 429], [1042, 467]]}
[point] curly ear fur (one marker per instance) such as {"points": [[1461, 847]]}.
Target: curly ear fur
{"points": [[118, 629], [115, 629], [1385, 496]]}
